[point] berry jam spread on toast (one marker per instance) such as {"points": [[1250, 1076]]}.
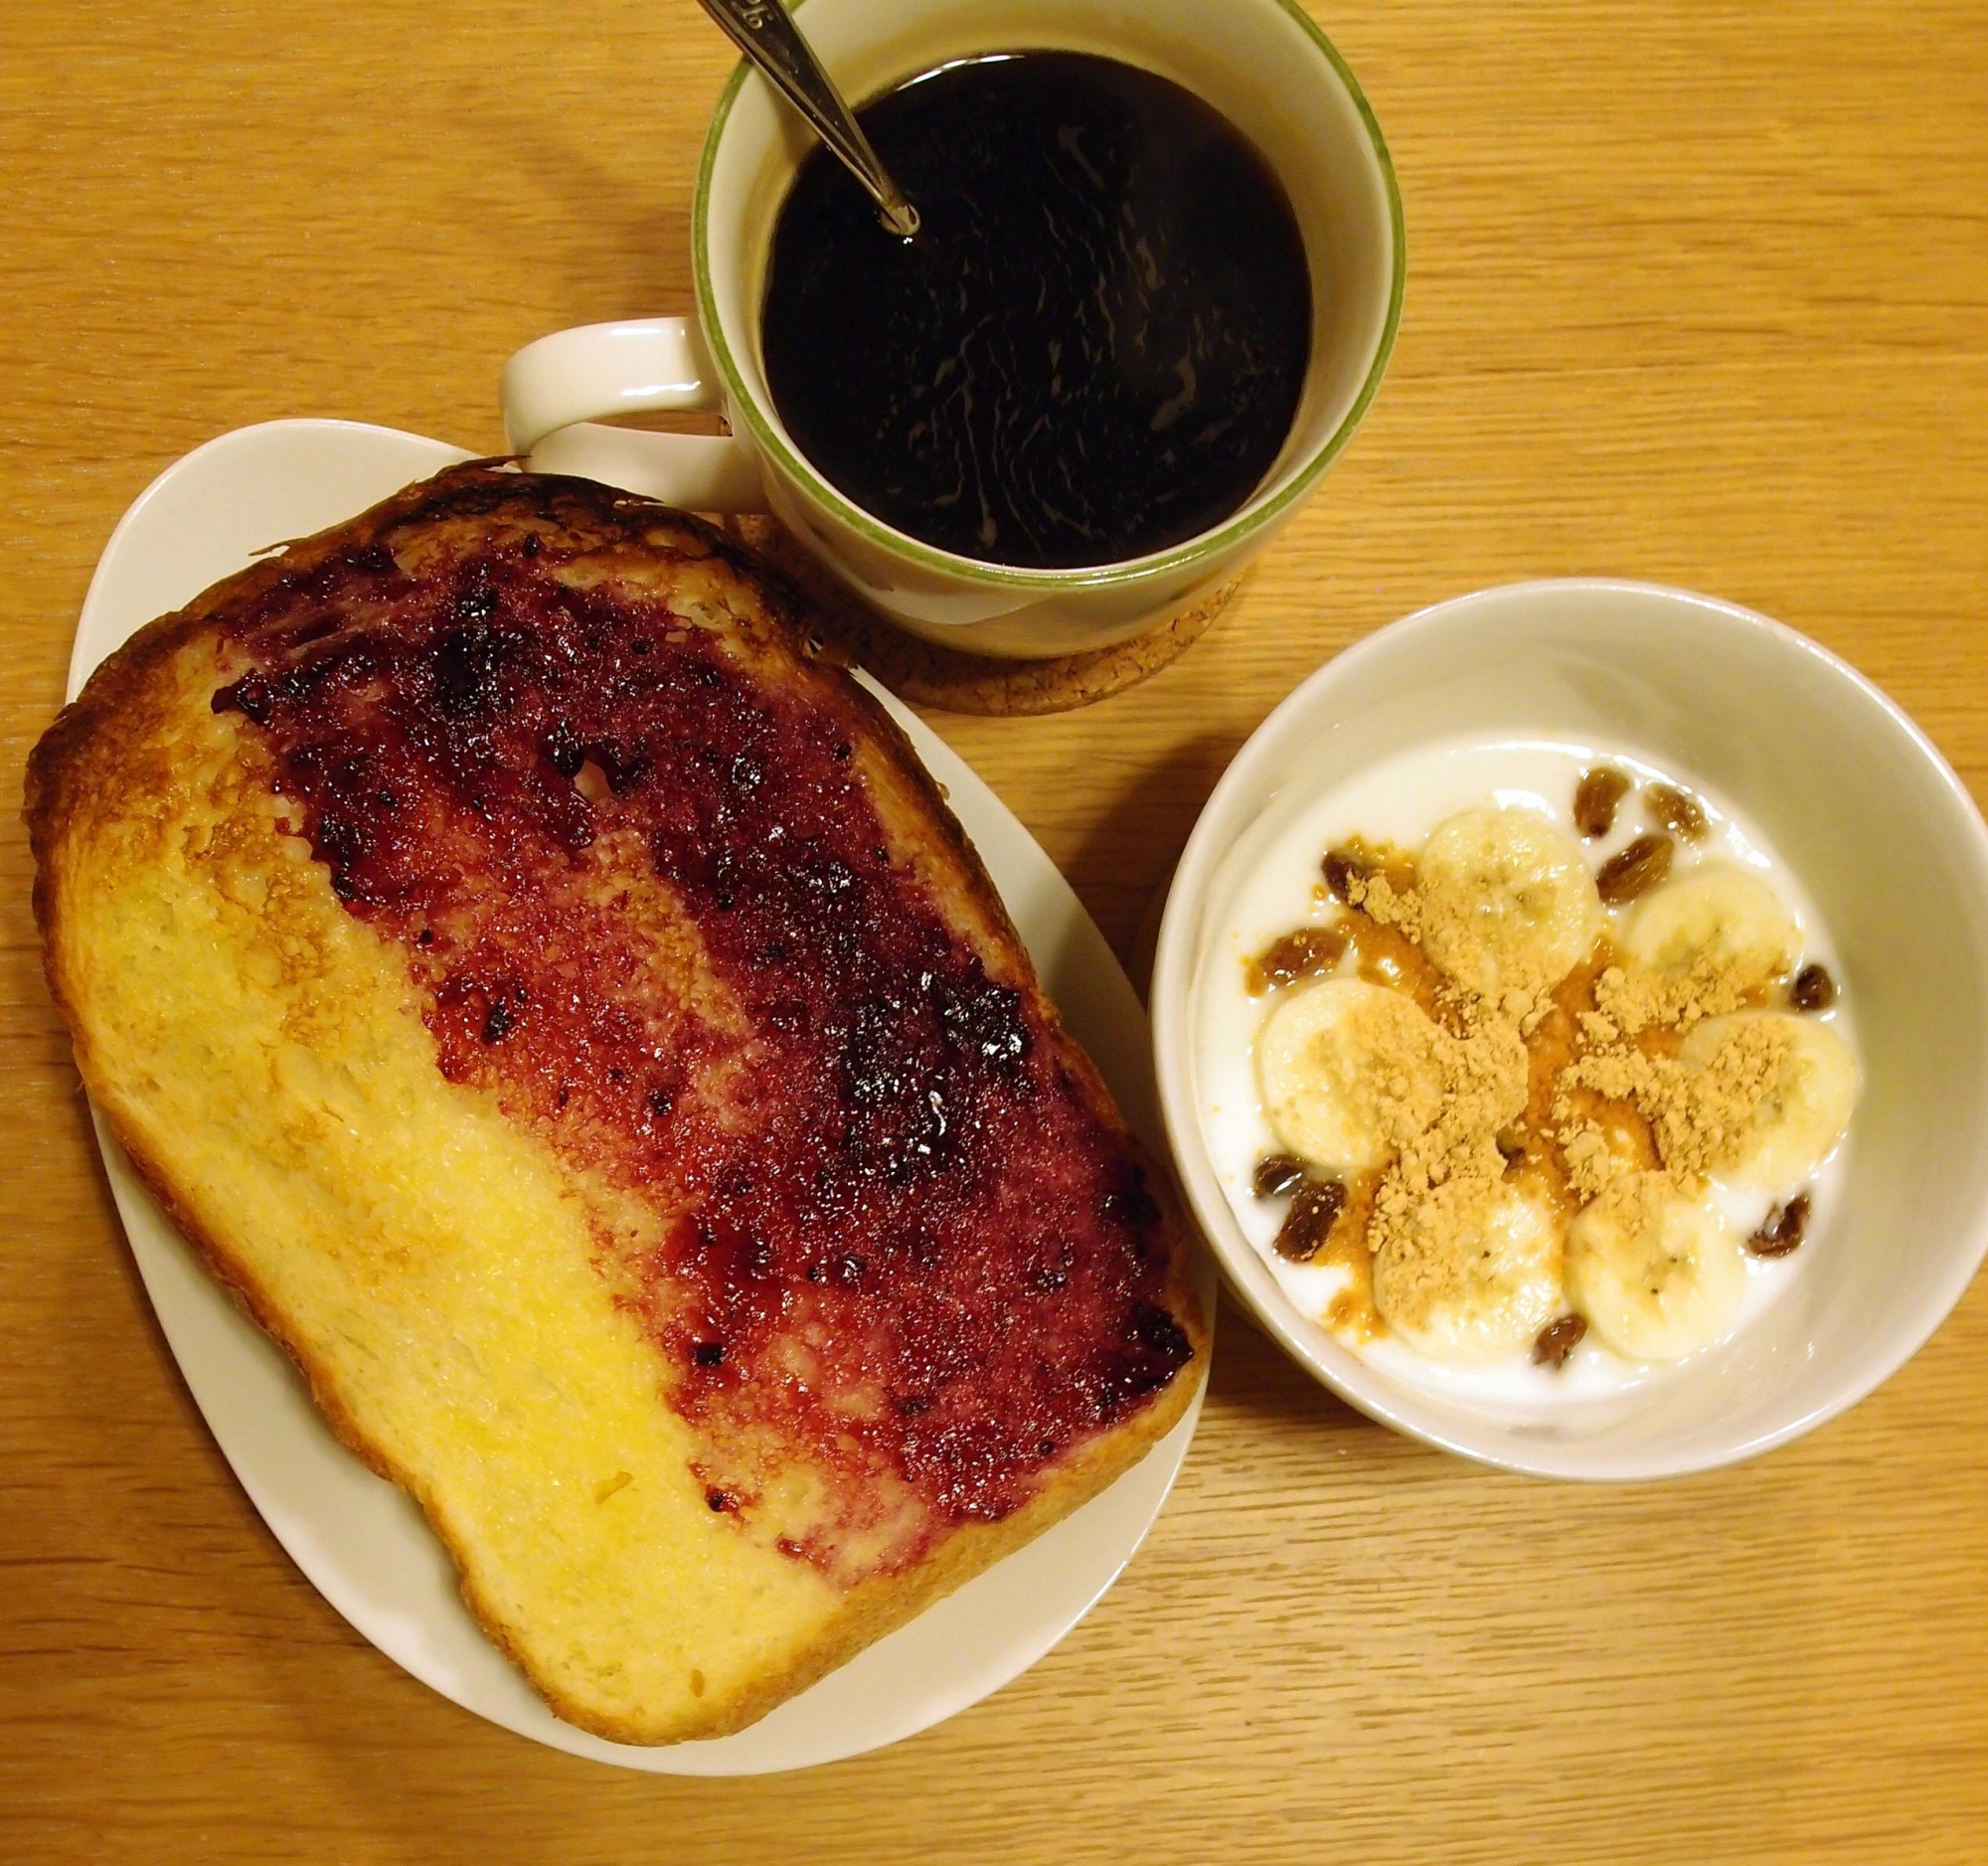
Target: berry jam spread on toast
{"points": [[673, 895]]}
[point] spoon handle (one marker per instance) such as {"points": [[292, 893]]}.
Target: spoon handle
{"points": [[763, 31]]}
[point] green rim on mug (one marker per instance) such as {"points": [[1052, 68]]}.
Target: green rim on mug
{"points": [[1006, 575]]}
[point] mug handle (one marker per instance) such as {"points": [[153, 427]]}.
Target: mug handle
{"points": [[555, 391]]}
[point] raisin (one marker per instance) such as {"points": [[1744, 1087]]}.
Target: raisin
{"points": [[1559, 1339], [1305, 954], [1595, 798], [1636, 870], [1307, 1224], [1340, 869], [1782, 1231], [1813, 989], [1676, 810], [1278, 1174]]}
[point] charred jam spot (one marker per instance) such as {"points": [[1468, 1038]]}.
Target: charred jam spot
{"points": [[708, 1354], [476, 601], [1155, 1330], [661, 1101], [260, 697], [531, 544], [982, 1016], [1047, 1278], [1155, 1349], [720, 1500], [499, 1020], [625, 767], [467, 664], [341, 843], [1129, 1203], [250, 696]]}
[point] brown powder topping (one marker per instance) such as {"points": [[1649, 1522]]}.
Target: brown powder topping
{"points": [[1547, 1090], [1639, 997], [1383, 899], [1432, 1202], [1696, 1116]]}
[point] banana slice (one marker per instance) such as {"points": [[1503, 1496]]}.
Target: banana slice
{"points": [[1657, 1275], [1350, 1073], [1719, 912], [1778, 1089], [1508, 901], [1473, 1287]]}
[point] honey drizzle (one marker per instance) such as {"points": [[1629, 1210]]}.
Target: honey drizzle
{"points": [[1351, 1311]]}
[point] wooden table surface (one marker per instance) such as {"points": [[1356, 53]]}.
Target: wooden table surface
{"points": [[1696, 293]]}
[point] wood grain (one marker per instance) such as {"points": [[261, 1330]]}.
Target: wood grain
{"points": [[1696, 293]]}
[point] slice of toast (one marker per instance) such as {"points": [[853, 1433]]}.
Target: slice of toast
{"points": [[568, 1018]]}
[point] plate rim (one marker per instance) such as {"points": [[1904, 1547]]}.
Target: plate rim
{"points": [[161, 1253]]}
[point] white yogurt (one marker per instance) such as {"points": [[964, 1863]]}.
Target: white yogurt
{"points": [[1400, 802]]}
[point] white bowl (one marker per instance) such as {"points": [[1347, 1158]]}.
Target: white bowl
{"points": [[1868, 817]]}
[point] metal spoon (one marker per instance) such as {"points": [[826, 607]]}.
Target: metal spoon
{"points": [[763, 31]]}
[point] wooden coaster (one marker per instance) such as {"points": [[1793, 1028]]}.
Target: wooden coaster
{"points": [[926, 674]]}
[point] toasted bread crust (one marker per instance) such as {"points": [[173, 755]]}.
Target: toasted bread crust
{"points": [[117, 743]]}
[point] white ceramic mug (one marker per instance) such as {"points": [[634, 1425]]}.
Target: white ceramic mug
{"points": [[1262, 63]]}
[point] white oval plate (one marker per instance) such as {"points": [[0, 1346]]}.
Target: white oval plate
{"points": [[361, 1541]]}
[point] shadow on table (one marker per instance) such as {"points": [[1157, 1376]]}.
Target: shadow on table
{"points": [[1254, 1378]]}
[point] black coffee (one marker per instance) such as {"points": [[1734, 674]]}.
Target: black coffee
{"points": [[1092, 349]]}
